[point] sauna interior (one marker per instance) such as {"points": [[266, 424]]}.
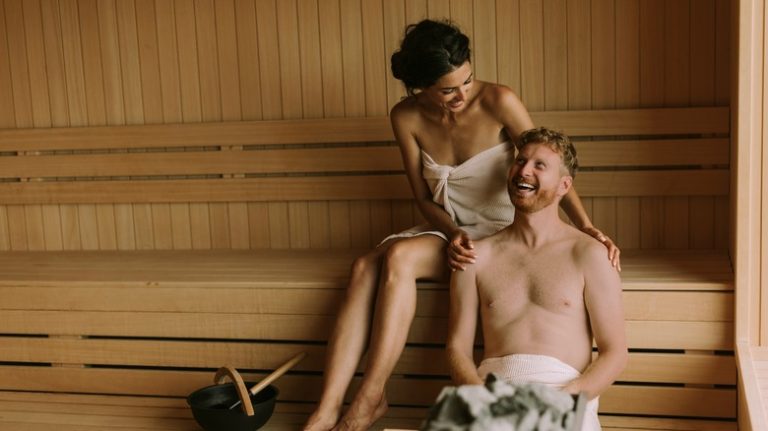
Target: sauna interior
{"points": [[185, 183]]}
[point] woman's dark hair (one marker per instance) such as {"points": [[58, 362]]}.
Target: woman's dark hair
{"points": [[429, 50]]}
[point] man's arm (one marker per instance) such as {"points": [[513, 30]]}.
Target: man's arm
{"points": [[602, 294], [463, 325]]}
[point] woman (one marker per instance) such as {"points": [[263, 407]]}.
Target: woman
{"points": [[453, 134]]}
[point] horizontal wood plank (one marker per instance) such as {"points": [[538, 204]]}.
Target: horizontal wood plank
{"points": [[634, 153], [433, 330], [625, 399], [288, 416], [308, 160], [638, 305], [652, 152], [666, 121], [69, 421], [690, 368], [661, 270], [661, 121], [631, 423], [712, 182], [669, 401]]}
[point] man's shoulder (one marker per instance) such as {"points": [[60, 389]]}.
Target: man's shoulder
{"points": [[484, 245], [586, 249], [489, 248]]}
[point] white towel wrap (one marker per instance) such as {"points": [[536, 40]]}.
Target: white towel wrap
{"points": [[523, 368]]}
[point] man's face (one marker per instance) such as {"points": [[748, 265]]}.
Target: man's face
{"points": [[537, 178]]}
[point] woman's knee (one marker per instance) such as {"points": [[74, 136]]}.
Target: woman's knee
{"points": [[420, 257], [401, 258], [365, 271]]}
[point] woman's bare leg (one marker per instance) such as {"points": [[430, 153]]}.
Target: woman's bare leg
{"points": [[405, 262], [347, 342]]}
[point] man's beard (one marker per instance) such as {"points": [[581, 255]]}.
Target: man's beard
{"points": [[535, 202]]}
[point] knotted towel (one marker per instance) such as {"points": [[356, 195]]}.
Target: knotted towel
{"points": [[473, 193]]}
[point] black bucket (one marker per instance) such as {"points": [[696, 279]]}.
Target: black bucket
{"points": [[210, 407]]}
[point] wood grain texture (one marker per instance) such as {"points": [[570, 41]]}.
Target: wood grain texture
{"points": [[655, 400], [171, 414]]}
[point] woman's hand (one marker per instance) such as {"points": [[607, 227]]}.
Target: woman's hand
{"points": [[460, 250], [613, 250]]}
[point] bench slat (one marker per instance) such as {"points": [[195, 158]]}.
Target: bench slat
{"points": [[689, 368], [626, 399], [45, 421], [638, 305], [709, 120], [640, 334], [673, 152], [629, 423], [327, 130], [712, 182], [712, 403], [655, 153], [288, 416], [660, 121], [310, 160], [299, 269]]}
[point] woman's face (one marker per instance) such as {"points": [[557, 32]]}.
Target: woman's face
{"points": [[450, 92]]}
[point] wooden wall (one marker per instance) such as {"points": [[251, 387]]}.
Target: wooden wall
{"points": [[749, 196], [67, 63]]}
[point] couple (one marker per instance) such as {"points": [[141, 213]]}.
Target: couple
{"points": [[456, 139]]}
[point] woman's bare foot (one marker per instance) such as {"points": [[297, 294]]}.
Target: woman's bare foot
{"points": [[321, 421], [362, 413]]}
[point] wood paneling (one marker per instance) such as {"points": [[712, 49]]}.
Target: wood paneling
{"points": [[643, 367], [665, 173], [147, 311], [108, 63], [698, 402], [592, 154], [673, 121], [305, 58]]}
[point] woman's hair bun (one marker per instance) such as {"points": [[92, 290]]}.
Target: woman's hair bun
{"points": [[429, 50]]}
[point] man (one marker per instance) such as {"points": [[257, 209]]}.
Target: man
{"points": [[544, 289]]}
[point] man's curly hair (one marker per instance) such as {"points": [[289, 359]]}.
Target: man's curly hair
{"points": [[558, 142]]}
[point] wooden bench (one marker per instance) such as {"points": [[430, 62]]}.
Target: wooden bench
{"points": [[124, 287]]}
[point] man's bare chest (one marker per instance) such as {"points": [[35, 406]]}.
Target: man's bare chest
{"points": [[518, 288]]}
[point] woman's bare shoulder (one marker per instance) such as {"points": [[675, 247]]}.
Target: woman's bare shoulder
{"points": [[407, 106], [405, 115], [502, 104], [497, 96]]}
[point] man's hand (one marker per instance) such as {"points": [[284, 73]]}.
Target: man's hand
{"points": [[613, 250], [571, 388], [460, 251]]}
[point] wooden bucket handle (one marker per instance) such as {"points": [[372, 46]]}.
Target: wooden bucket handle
{"points": [[242, 392]]}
